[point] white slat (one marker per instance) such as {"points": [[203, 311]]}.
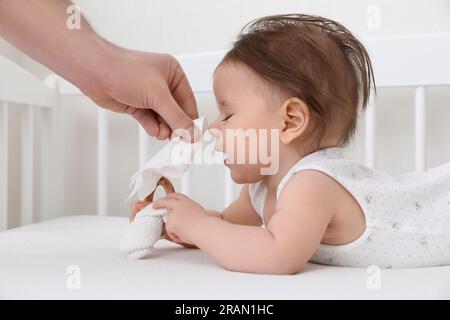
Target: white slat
{"points": [[20, 86], [420, 129], [4, 117], [371, 132], [46, 195], [229, 188], [199, 68], [102, 163], [185, 187], [410, 60], [28, 158], [144, 141], [57, 152]]}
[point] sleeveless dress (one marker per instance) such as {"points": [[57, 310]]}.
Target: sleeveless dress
{"points": [[407, 216]]}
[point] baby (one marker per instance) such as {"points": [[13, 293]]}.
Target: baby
{"points": [[307, 78]]}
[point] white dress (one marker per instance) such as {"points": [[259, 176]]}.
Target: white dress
{"points": [[407, 216]]}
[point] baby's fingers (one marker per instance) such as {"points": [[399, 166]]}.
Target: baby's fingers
{"points": [[172, 236]]}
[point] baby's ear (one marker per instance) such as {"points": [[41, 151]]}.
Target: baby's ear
{"points": [[295, 118]]}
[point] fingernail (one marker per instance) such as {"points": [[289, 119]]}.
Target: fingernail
{"points": [[180, 132], [191, 134]]}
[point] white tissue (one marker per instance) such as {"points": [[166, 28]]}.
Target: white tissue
{"points": [[172, 161]]}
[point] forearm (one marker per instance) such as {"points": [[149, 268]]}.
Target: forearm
{"points": [[238, 247], [77, 55]]}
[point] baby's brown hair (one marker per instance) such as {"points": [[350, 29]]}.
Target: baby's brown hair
{"points": [[314, 59]]}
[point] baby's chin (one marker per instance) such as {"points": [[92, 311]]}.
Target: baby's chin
{"points": [[242, 174]]}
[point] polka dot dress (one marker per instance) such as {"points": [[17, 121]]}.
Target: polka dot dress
{"points": [[407, 216]]}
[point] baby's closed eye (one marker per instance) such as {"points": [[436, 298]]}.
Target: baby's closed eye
{"points": [[226, 117]]}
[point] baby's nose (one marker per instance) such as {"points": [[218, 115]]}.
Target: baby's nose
{"points": [[213, 129], [217, 135], [214, 132]]}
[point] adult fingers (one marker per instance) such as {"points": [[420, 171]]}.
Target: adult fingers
{"points": [[182, 92], [146, 118], [164, 129], [180, 123]]}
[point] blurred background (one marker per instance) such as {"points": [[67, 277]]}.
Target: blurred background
{"points": [[180, 27]]}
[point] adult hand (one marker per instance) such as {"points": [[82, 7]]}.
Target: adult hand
{"points": [[150, 87]]}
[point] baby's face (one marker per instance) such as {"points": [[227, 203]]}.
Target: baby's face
{"points": [[244, 109]]}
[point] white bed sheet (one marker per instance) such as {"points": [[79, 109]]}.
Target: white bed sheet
{"points": [[34, 261]]}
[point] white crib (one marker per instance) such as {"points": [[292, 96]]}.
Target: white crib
{"points": [[398, 62], [418, 61]]}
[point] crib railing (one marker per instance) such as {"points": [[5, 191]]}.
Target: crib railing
{"points": [[19, 89], [417, 61]]}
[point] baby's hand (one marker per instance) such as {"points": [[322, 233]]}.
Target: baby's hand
{"points": [[183, 213], [138, 205]]}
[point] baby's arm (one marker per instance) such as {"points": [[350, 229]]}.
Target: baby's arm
{"points": [[240, 211], [303, 212]]}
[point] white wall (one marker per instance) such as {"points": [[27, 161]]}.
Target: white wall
{"points": [[180, 26]]}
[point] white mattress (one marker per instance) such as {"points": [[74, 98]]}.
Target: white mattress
{"points": [[34, 261]]}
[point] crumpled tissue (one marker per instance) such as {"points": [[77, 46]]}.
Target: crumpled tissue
{"points": [[172, 161]]}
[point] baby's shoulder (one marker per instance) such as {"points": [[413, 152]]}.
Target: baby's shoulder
{"points": [[315, 193], [311, 188], [310, 180]]}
